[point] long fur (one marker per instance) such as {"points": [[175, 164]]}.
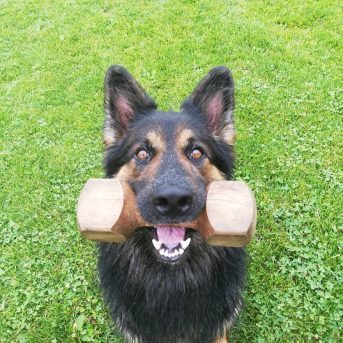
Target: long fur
{"points": [[196, 299], [193, 301]]}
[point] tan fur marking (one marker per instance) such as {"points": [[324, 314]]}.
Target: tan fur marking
{"points": [[209, 171], [156, 140], [182, 138], [187, 165], [182, 135], [129, 172], [212, 173], [223, 339], [150, 170], [230, 137], [126, 172], [109, 139]]}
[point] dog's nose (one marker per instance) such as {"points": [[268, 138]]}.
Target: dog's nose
{"points": [[172, 200]]}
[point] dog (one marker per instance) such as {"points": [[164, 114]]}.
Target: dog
{"points": [[165, 284]]}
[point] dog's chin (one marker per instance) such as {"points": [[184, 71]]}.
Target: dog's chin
{"points": [[170, 244]]}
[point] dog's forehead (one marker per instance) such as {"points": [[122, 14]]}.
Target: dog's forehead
{"points": [[164, 128]]}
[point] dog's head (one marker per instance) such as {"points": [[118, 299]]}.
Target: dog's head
{"points": [[168, 158]]}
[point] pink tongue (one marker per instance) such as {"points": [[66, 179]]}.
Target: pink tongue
{"points": [[170, 236]]}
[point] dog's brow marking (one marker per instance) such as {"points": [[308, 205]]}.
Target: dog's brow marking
{"points": [[156, 140], [183, 138]]}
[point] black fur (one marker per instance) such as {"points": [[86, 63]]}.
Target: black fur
{"points": [[190, 302], [197, 298]]}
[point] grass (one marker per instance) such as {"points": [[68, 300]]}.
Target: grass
{"points": [[286, 60]]}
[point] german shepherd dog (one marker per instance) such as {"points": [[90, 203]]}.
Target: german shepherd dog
{"points": [[165, 284]]}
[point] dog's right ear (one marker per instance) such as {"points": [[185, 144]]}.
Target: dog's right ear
{"points": [[213, 97], [124, 98]]}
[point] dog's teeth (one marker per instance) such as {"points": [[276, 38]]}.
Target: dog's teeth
{"points": [[185, 243], [174, 253], [157, 244]]}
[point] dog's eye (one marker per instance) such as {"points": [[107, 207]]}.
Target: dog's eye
{"points": [[142, 154], [196, 154]]}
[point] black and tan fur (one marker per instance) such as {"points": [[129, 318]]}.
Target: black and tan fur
{"points": [[196, 297]]}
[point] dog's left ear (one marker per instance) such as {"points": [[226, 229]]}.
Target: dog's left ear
{"points": [[124, 100], [214, 98]]}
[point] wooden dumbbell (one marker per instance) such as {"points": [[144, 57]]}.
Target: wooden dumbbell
{"points": [[107, 212]]}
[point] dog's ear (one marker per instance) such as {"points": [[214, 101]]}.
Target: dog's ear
{"points": [[124, 98], [214, 98]]}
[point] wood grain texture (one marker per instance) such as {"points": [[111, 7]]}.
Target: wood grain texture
{"points": [[100, 204], [231, 212]]}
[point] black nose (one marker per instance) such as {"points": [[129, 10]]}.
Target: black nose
{"points": [[172, 200]]}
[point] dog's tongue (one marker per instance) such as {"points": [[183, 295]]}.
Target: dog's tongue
{"points": [[170, 236]]}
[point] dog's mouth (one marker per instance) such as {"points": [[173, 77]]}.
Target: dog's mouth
{"points": [[171, 242]]}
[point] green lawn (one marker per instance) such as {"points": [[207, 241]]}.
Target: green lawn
{"points": [[286, 59]]}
